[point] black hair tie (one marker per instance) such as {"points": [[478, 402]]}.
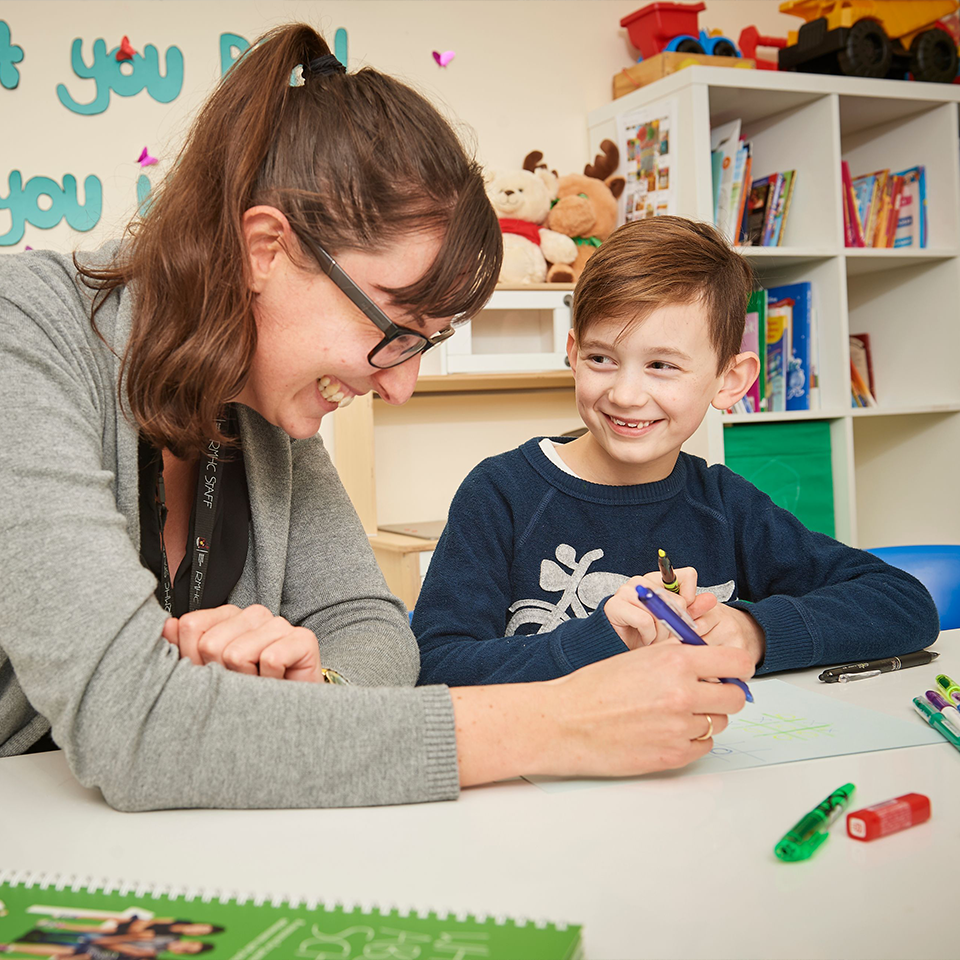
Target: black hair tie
{"points": [[325, 66]]}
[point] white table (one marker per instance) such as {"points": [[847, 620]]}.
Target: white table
{"points": [[663, 866]]}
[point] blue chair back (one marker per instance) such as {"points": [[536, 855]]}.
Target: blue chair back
{"points": [[937, 567]]}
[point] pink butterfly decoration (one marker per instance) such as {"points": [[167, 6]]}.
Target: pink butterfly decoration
{"points": [[145, 159], [444, 58]]}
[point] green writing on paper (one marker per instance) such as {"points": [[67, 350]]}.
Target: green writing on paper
{"points": [[232, 45], [126, 78], [59, 203], [10, 54]]}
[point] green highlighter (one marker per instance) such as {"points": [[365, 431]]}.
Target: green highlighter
{"points": [[950, 689], [801, 840]]}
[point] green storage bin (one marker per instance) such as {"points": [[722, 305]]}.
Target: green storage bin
{"points": [[790, 462]]}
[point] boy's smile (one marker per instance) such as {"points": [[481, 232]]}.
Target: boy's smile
{"points": [[643, 389]]}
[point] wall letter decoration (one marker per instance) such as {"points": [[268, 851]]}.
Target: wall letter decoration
{"points": [[23, 202], [126, 78], [10, 54]]}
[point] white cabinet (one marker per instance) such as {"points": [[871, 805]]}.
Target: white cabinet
{"points": [[896, 466]]}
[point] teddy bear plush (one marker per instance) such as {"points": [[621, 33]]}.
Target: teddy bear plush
{"points": [[521, 199], [586, 209]]}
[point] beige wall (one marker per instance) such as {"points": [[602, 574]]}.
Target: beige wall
{"points": [[525, 75]]}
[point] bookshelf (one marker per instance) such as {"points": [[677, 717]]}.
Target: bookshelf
{"points": [[895, 466]]}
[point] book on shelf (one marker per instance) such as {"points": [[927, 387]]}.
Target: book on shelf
{"points": [[884, 209], [781, 328], [754, 329], [125, 919], [725, 144], [768, 206], [799, 340], [863, 359], [860, 395]]}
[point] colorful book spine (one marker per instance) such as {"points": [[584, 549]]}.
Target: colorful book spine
{"points": [[751, 343], [853, 231], [797, 297], [778, 349], [783, 207], [776, 189]]}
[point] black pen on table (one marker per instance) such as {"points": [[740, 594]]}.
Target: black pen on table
{"points": [[873, 668]]}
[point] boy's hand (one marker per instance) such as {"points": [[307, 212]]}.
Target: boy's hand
{"points": [[636, 626], [723, 626], [251, 640]]}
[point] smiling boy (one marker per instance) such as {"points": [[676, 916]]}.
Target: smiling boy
{"points": [[534, 575]]}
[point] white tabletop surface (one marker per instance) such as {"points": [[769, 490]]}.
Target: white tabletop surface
{"points": [[661, 866]]}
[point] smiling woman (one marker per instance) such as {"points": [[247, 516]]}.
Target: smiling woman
{"points": [[175, 545]]}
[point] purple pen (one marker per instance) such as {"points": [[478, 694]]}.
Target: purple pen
{"points": [[663, 611], [950, 714]]}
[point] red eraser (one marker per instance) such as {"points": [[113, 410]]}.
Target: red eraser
{"points": [[888, 817]]}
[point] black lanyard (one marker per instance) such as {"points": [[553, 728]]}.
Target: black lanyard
{"points": [[205, 512]]}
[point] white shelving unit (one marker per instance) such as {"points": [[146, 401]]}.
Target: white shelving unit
{"points": [[896, 467]]}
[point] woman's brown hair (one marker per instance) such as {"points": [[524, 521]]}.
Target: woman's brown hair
{"points": [[354, 161], [648, 264]]}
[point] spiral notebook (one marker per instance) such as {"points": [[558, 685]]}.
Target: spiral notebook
{"points": [[46, 917]]}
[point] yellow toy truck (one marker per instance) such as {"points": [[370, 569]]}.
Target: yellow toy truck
{"points": [[872, 38]]}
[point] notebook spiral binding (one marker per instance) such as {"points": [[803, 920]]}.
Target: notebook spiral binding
{"points": [[55, 882]]}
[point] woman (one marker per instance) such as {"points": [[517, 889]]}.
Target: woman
{"points": [[168, 504]]}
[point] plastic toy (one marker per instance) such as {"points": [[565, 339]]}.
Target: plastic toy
{"points": [[872, 38], [751, 38], [672, 28]]}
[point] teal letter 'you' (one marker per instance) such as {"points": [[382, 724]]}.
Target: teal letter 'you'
{"points": [[232, 45], [126, 78], [23, 202]]}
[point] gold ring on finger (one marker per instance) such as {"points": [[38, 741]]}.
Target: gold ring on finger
{"points": [[709, 732]]}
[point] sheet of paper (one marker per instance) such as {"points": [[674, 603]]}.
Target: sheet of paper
{"points": [[787, 723]]}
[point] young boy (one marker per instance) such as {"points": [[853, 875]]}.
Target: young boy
{"points": [[538, 537]]}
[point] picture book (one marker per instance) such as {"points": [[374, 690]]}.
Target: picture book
{"points": [[773, 205], [779, 315], [860, 395], [757, 210], [800, 362], [852, 228], [732, 223], [911, 211], [725, 139], [862, 359], [41, 917], [754, 338], [740, 222], [783, 207]]}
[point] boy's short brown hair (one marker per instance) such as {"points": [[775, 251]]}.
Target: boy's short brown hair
{"points": [[651, 263]]}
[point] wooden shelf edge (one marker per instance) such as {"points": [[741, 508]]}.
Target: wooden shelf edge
{"points": [[479, 382]]}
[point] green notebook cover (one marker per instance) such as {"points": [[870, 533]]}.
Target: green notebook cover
{"points": [[54, 920]]}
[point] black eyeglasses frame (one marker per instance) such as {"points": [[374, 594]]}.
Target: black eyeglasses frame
{"points": [[391, 331]]}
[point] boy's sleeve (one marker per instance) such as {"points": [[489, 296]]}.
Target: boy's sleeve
{"points": [[462, 611], [818, 600]]}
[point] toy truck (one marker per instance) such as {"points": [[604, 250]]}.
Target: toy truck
{"points": [[872, 38], [672, 28]]}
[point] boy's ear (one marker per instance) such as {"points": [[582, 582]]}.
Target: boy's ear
{"points": [[572, 351], [267, 234], [743, 370]]}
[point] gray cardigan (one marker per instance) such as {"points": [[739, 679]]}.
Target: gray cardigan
{"points": [[80, 643]]}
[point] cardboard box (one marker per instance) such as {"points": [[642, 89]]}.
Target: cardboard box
{"points": [[663, 64]]}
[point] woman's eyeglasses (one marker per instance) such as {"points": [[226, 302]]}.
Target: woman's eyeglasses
{"points": [[399, 344]]}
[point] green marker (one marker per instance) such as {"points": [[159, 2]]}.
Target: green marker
{"points": [[805, 837], [950, 689]]}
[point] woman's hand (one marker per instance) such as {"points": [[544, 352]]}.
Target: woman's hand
{"points": [[639, 712], [249, 640], [636, 626]]}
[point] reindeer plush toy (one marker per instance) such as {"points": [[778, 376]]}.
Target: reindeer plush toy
{"points": [[586, 209]]}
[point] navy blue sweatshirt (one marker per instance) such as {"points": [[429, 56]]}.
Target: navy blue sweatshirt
{"points": [[516, 587]]}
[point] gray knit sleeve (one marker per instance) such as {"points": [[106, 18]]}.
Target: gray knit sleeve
{"points": [[82, 629]]}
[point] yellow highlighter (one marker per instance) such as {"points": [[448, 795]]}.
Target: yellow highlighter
{"points": [[669, 578]]}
